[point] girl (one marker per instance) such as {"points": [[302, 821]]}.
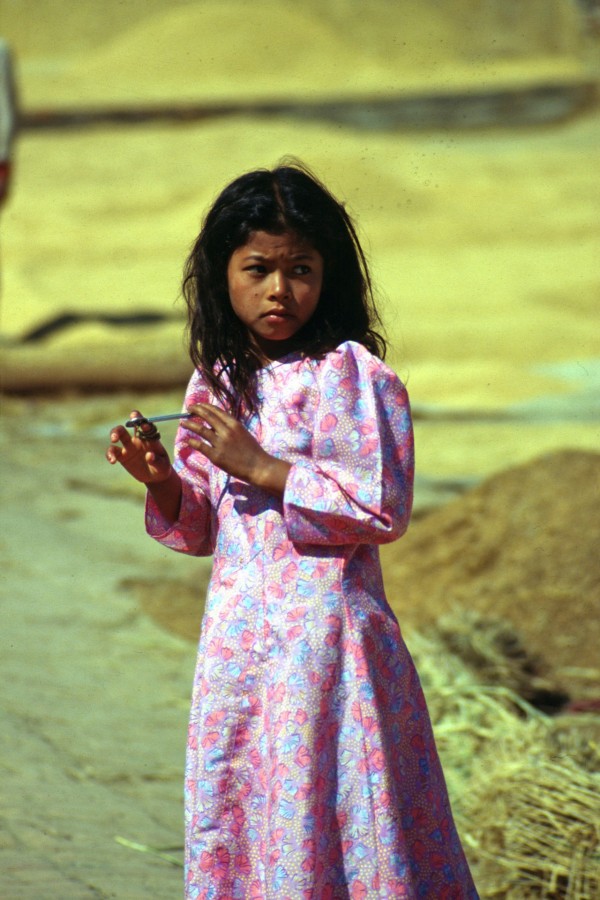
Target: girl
{"points": [[311, 768]]}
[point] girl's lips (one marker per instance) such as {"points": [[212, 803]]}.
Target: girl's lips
{"points": [[276, 315]]}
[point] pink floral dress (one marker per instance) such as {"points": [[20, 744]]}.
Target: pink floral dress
{"points": [[312, 772]]}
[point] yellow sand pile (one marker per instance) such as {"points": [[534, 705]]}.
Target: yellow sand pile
{"points": [[522, 546], [213, 50], [484, 246]]}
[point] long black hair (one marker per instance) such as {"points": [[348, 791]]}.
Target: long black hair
{"points": [[288, 198]]}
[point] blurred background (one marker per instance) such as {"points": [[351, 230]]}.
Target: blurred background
{"points": [[464, 137]]}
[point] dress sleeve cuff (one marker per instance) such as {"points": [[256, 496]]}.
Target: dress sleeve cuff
{"points": [[190, 533]]}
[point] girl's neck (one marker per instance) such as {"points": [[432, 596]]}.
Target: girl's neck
{"points": [[271, 351]]}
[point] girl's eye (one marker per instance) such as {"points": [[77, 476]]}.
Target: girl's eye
{"points": [[260, 269]]}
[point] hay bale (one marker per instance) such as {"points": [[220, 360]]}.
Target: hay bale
{"points": [[538, 824], [576, 738], [523, 785]]}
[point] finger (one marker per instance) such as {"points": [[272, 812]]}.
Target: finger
{"points": [[205, 435], [198, 428], [113, 454], [211, 414], [202, 439], [120, 433], [202, 447]]}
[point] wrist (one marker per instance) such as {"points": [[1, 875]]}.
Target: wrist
{"points": [[160, 483], [167, 495], [272, 476]]}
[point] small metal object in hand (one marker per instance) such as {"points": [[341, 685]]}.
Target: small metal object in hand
{"points": [[133, 423], [151, 434]]}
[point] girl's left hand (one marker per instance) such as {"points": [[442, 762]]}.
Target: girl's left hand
{"points": [[231, 447]]}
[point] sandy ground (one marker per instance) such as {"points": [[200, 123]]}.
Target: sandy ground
{"points": [[94, 695], [98, 630], [482, 244]]}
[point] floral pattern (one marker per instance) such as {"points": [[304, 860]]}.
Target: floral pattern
{"points": [[312, 772]]}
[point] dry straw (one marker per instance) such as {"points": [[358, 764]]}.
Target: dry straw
{"points": [[538, 828], [525, 786]]}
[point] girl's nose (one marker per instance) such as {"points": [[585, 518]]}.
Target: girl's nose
{"points": [[279, 286]]}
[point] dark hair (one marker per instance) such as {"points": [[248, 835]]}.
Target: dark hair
{"points": [[286, 199]]}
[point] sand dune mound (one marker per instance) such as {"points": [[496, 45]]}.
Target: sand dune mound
{"points": [[215, 51], [523, 546]]}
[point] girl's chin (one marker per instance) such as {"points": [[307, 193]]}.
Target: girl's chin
{"points": [[276, 333]]}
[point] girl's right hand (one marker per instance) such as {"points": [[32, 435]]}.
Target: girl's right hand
{"points": [[146, 461]]}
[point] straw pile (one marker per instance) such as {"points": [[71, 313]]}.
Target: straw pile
{"points": [[539, 828], [496, 654], [524, 786]]}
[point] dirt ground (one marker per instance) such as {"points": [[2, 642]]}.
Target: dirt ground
{"points": [[98, 627], [483, 246]]}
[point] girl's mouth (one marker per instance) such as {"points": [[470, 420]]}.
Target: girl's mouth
{"points": [[276, 316]]}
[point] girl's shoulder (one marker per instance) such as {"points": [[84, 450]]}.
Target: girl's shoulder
{"points": [[351, 359]]}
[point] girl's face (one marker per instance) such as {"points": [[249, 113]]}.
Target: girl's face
{"points": [[274, 285]]}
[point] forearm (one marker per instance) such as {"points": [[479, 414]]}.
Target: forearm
{"points": [[272, 475], [167, 496]]}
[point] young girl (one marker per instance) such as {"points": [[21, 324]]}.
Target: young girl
{"points": [[311, 768]]}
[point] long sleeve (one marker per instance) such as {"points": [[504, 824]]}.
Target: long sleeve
{"points": [[193, 532], [356, 487]]}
